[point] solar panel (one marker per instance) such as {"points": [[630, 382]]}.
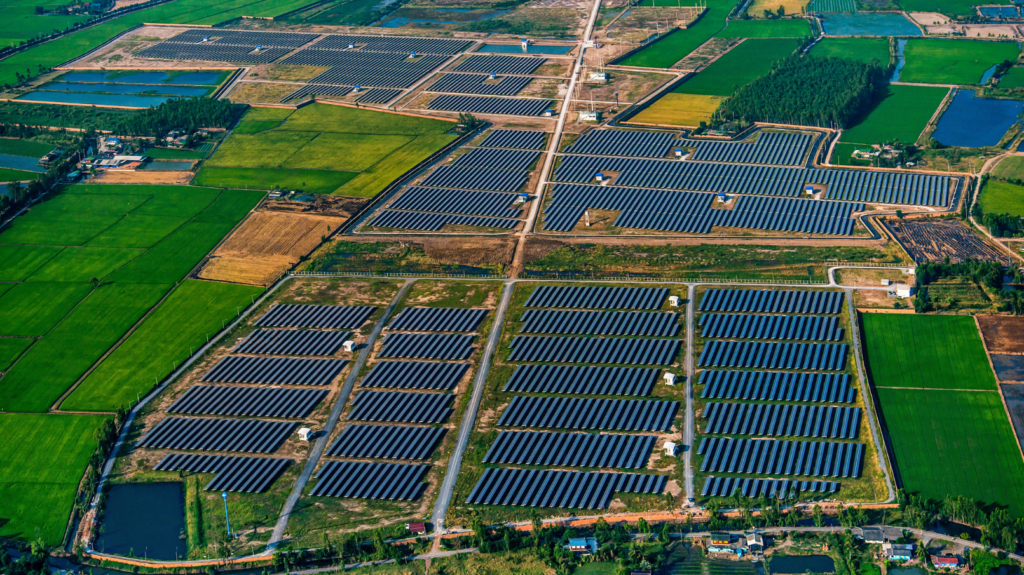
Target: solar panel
{"points": [[771, 355], [600, 322], [518, 139], [317, 316], [275, 370], [248, 401], [490, 105], [415, 375], [772, 301], [319, 90], [453, 83], [202, 434], [399, 44], [571, 449], [497, 158], [777, 488], [386, 442], [485, 179], [292, 342], [810, 458], [378, 96], [470, 202], [583, 380], [751, 326], [488, 64], [770, 420], [438, 319], [231, 473], [779, 148], [435, 222], [358, 480], [427, 346], [777, 386], [629, 351], [401, 407], [565, 489], [597, 297], [579, 413]]}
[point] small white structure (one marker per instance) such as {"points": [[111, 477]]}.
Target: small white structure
{"points": [[886, 282], [599, 177], [493, 76], [522, 198], [673, 300], [600, 77], [590, 116], [670, 379], [526, 44], [905, 290], [721, 197], [810, 190], [305, 434], [351, 45], [259, 47], [349, 346], [549, 113], [357, 89], [670, 448]]}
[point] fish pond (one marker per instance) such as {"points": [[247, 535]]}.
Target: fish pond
{"points": [[25, 163], [973, 122], [792, 564], [188, 78], [155, 534], [999, 12], [126, 89], [518, 49], [868, 24]]}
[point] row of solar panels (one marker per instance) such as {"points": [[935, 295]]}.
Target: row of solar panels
{"points": [[231, 473], [597, 297], [482, 84], [488, 64], [248, 401], [757, 488], [244, 435], [583, 380], [371, 96], [597, 414], [750, 326], [430, 222], [497, 158], [366, 70], [252, 38], [400, 44], [778, 148], [559, 489], [401, 407], [777, 386], [468, 202], [774, 457], [361, 480], [771, 355], [627, 351], [493, 105], [772, 301], [600, 322], [423, 375], [438, 319], [695, 212], [427, 346], [483, 179], [292, 342], [275, 370], [213, 53], [386, 442], [515, 139], [571, 449], [316, 316], [771, 420]]}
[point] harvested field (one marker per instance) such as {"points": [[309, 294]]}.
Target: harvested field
{"points": [[1013, 395], [1003, 334], [935, 240], [261, 92], [176, 177], [266, 245], [679, 110], [1008, 367]]}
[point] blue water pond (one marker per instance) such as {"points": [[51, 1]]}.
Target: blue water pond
{"points": [[85, 98], [972, 122], [192, 78], [124, 89], [518, 49], [869, 24]]}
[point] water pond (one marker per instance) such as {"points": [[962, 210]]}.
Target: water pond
{"points": [[869, 24], [987, 75], [518, 49], [901, 61], [955, 529], [13, 162], [190, 78], [999, 11], [787, 564], [155, 534], [907, 571], [972, 122], [85, 98], [125, 89]]}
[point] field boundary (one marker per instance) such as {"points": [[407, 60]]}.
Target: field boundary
{"points": [[999, 387], [876, 404]]}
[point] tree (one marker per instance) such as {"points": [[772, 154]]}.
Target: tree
{"points": [[819, 519], [781, 11]]}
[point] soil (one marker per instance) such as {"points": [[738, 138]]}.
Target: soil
{"points": [[979, 30], [929, 18], [871, 299], [145, 177], [1003, 334], [1008, 368], [1013, 394]]}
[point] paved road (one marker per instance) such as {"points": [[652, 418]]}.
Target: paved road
{"points": [[688, 429], [339, 405], [444, 496]]}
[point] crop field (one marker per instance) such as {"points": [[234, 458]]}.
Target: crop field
{"points": [[737, 68], [973, 454], [324, 149], [195, 310], [675, 46], [998, 198], [934, 61], [679, 110], [44, 457], [9, 175], [926, 352], [19, 262], [792, 28], [757, 7], [902, 115], [1010, 168], [1013, 78], [32, 309], [862, 49], [11, 348], [22, 23]]}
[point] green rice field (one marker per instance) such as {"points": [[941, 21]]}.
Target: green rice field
{"points": [[22, 147], [19, 262], [32, 309], [1010, 168], [11, 348], [44, 458], [861, 49], [1013, 78], [740, 66], [935, 61], [675, 46], [997, 198], [324, 149], [21, 22], [902, 115], [791, 28]]}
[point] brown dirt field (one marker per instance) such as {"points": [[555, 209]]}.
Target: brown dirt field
{"points": [[145, 177], [1003, 334], [261, 92], [470, 251], [250, 271]]}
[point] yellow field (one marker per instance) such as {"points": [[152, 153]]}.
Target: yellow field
{"points": [[757, 7], [679, 110]]}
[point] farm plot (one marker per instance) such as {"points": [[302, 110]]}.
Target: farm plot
{"points": [[900, 116], [791, 28], [1002, 198], [1003, 334], [669, 49], [936, 240], [937, 61], [325, 149], [862, 49], [738, 67]]}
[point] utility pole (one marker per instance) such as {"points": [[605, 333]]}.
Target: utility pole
{"points": [[227, 520]]}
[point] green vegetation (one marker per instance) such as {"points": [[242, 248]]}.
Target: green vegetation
{"points": [[44, 456], [22, 147], [792, 28], [11, 348], [340, 13], [84, 117], [166, 338], [1000, 198], [174, 154], [322, 148], [1013, 78], [864, 50], [675, 46], [9, 175], [385, 257], [807, 91], [76, 264], [21, 23], [926, 351], [19, 262], [973, 455], [935, 61], [740, 66], [900, 115], [1009, 168], [32, 309]]}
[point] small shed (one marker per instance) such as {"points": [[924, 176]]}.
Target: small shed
{"points": [[582, 545], [305, 434], [898, 551], [418, 528], [947, 561], [670, 448]]}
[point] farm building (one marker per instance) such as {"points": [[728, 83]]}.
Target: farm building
{"points": [[872, 535], [947, 561], [582, 545], [418, 528], [898, 551]]}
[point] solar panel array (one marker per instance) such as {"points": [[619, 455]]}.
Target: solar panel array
{"points": [[565, 489], [777, 386], [597, 297], [292, 342], [231, 473], [497, 204], [580, 413], [316, 316], [435, 222], [495, 105], [227, 46], [627, 351], [318, 90], [453, 83], [244, 38], [378, 96], [248, 401], [762, 419], [490, 180], [631, 143], [695, 212], [401, 407], [583, 380], [749, 326], [772, 301], [488, 64], [600, 322], [275, 370], [438, 319], [776, 457], [249, 436], [427, 346], [424, 375], [516, 139], [571, 449], [360, 480], [497, 158], [778, 148], [818, 356], [386, 442], [757, 488], [402, 44], [365, 69]]}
